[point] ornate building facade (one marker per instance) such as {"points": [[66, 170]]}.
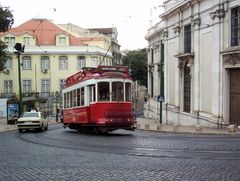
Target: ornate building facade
{"points": [[201, 63]]}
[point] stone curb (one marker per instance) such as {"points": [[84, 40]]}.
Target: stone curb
{"points": [[186, 129]]}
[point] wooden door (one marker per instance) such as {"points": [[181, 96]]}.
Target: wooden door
{"points": [[235, 96]]}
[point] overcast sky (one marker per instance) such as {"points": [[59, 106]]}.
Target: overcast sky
{"points": [[131, 17]]}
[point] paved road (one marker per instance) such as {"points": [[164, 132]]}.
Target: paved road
{"points": [[60, 154]]}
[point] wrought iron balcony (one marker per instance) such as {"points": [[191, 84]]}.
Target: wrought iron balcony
{"points": [[8, 95]]}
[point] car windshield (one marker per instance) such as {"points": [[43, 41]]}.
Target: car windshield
{"points": [[30, 114]]}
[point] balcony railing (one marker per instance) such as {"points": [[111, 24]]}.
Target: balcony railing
{"points": [[44, 95], [8, 95]]}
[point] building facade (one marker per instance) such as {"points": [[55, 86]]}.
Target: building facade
{"points": [[51, 54], [201, 63], [154, 38], [112, 33]]}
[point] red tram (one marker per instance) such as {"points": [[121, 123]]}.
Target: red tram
{"points": [[99, 100]]}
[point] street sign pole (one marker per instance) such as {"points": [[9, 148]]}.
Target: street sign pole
{"points": [[161, 81]]}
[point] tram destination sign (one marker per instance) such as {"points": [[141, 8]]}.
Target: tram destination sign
{"points": [[123, 69]]}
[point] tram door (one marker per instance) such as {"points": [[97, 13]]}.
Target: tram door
{"points": [[235, 96]]}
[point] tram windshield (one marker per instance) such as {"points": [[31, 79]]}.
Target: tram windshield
{"points": [[103, 91], [117, 91]]}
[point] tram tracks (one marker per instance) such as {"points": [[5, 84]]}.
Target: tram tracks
{"points": [[43, 140]]}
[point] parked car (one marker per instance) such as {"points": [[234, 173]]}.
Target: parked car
{"points": [[32, 120]]}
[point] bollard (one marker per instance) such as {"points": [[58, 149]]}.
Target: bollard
{"points": [[198, 128]]}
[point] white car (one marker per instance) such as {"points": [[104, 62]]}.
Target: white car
{"points": [[32, 120]]}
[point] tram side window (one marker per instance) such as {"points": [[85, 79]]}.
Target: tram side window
{"points": [[92, 95], [82, 96], [65, 100], [78, 97], [68, 100], [71, 99], [117, 91], [128, 91], [74, 98], [103, 91]]}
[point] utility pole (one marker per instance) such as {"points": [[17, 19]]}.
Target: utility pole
{"points": [[20, 49]]}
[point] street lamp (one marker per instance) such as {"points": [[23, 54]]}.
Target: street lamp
{"points": [[20, 49]]}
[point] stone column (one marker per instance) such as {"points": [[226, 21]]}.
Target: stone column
{"points": [[196, 21], [217, 16]]}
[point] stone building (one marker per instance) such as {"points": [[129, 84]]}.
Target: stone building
{"points": [[201, 63]]}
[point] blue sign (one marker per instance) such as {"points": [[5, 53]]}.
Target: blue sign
{"points": [[160, 98], [13, 111]]}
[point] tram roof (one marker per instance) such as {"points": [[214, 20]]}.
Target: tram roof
{"points": [[100, 72]]}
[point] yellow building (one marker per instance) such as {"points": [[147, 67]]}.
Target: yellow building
{"points": [[51, 54]]}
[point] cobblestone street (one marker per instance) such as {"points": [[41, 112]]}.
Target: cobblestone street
{"points": [[60, 154]]}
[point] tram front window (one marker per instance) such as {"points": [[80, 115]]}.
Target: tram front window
{"points": [[103, 91], [117, 91]]}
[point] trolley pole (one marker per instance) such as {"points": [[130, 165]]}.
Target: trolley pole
{"points": [[161, 81]]}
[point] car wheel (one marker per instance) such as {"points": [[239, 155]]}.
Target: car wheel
{"points": [[41, 129], [46, 128], [20, 130]]}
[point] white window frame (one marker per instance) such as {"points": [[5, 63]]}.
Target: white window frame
{"points": [[81, 62], [62, 41], [63, 63], [27, 85], [26, 63], [45, 63], [26, 41], [8, 63], [45, 86], [10, 41], [8, 86]]}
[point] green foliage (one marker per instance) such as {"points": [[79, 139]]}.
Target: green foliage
{"points": [[3, 54], [6, 22], [137, 61], [6, 19]]}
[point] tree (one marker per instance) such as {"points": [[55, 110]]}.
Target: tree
{"points": [[6, 22], [137, 61]]}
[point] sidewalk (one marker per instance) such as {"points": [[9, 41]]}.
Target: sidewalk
{"points": [[6, 127], [153, 125], [149, 125]]}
